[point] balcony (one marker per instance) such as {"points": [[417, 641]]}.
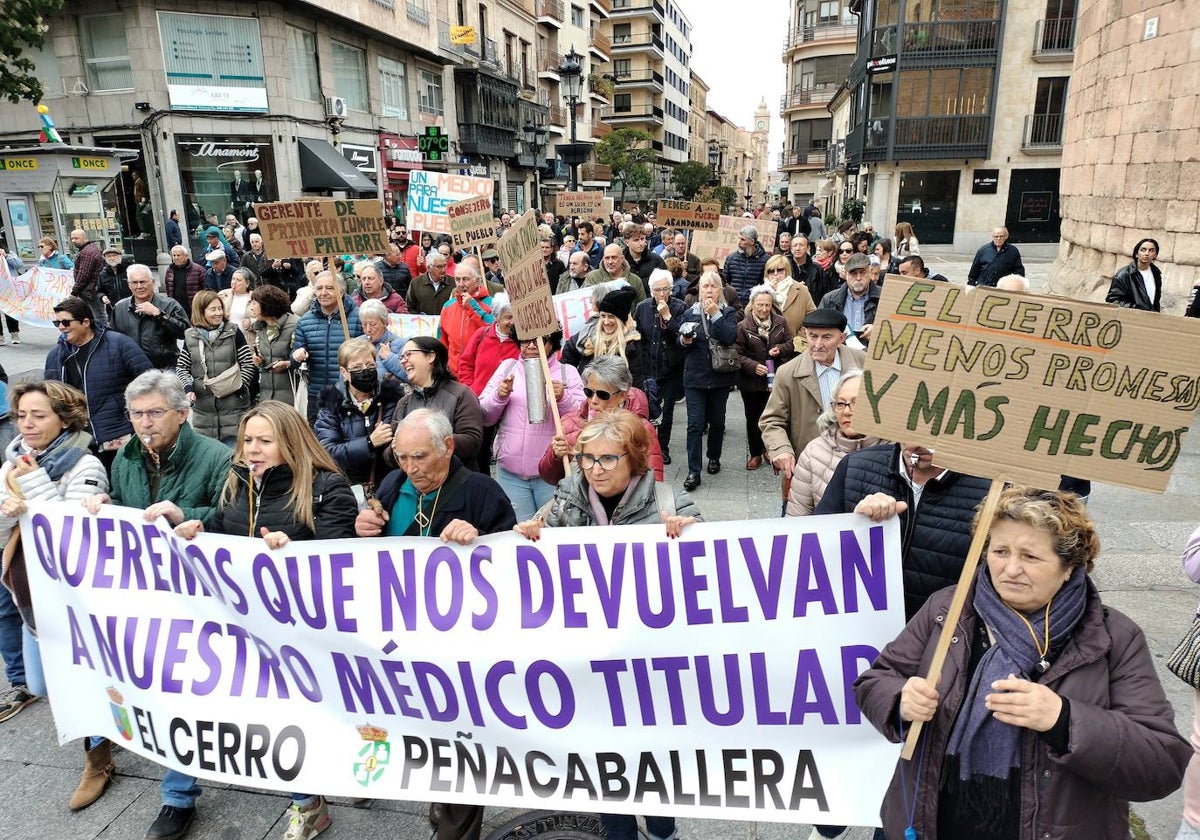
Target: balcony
{"points": [[486, 140], [636, 42], [638, 8], [822, 32], [639, 79], [557, 115], [813, 158], [548, 62], [804, 97], [417, 12], [1043, 134], [603, 7], [550, 13], [928, 138], [600, 89], [947, 39], [595, 172], [482, 51], [601, 129], [600, 44], [1054, 39], [835, 157], [637, 112]]}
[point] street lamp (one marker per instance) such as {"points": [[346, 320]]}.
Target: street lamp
{"points": [[666, 178], [714, 157], [574, 153], [749, 190], [534, 135]]}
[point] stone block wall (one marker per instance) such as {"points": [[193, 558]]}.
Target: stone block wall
{"points": [[1131, 148]]}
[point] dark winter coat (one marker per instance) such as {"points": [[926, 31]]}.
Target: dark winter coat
{"points": [[397, 278], [183, 283], [344, 430], [321, 335], [456, 401], [697, 363], [837, 300], [934, 539], [190, 475], [102, 369], [1122, 742], [754, 351], [274, 344], [158, 336], [576, 353], [478, 500], [1128, 290], [743, 272], [662, 355], [334, 507], [991, 264]]}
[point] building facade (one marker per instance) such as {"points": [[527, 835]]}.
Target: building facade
{"points": [[956, 116]]}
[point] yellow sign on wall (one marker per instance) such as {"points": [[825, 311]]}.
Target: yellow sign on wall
{"points": [[462, 34], [18, 164], [94, 163]]}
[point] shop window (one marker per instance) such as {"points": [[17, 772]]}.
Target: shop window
{"points": [[350, 75], [224, 176], [302, 51], [431, 93], [105, 52], [393, 84]]}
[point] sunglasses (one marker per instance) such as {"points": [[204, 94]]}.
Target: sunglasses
{"points": [[65, 322], [845, 250], [604, 395], [778, 271]]}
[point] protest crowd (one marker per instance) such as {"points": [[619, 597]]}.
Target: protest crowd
{"points": [[244, 394]]}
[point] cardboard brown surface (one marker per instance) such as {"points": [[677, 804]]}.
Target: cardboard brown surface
{"points": [[723, 241], [692, 215], [525, 279], [322, 227], [1027, 388], [586, 205], [472, 223]]}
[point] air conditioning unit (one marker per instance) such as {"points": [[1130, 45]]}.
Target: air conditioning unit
{"points": [[335, 108]]}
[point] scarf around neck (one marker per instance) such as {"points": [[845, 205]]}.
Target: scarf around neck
{"points": [[598, 506], [62, 454]]}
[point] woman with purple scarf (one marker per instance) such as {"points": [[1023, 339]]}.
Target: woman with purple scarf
{"points": [[1048, 718]]}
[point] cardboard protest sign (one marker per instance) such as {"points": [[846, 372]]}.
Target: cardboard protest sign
{"points": [[30, 296], [586, 205], [692, 215], [1026, 388], [723, 241], [430, 193], [612, 670], [472, 223], [525, 279], [322, 227]]}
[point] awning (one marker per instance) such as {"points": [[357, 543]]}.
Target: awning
{"points": [[322, 167]]}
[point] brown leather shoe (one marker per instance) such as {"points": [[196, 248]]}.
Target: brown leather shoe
{"points": [[754, 462]]}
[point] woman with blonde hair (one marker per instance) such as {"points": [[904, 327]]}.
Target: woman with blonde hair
{"points": [[611, 333], [905, 241], [790, 299], [308, 292]]}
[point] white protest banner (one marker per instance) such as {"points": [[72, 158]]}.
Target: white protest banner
{"points": [[723, 241], [525, 279], [691, 215], [573, 309], [30, 296], [430, 193], [472, 223], [598, 669], [410, 325], [322, 227]]}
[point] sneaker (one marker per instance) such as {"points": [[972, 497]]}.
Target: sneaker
{"points": [[171, 823], [13, 700], [308, 821], [16, 339]]}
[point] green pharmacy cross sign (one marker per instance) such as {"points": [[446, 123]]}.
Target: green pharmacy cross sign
{"points": [[433, 144]]}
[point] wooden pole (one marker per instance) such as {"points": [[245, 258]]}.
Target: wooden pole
{"points": [[551, 399], [950, 627]]}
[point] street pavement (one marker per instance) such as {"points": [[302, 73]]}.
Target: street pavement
{"points": [[1138, 572]]}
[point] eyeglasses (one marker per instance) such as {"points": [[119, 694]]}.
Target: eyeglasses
{"points": [[777, 271], [843, 405], [65, 322], [607, 462], [152, 413], [360, 369], [604, 395], [845, 250]]}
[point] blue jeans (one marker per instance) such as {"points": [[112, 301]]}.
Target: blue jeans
{"points": [[526, 494], [624, 827], [705, 406], [10, 639]]}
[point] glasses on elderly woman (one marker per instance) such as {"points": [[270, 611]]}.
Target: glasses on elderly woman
{"points": [[606, 462], [604, 395]]}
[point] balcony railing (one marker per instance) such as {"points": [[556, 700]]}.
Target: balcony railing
{"points": [[595, 172], [815, 95], [821, 32], [486, 140], [1043, 133], [961, 130], [1054, 38], [548, 61], [951, 36], [641, 77], [600, 88], [550, 9], [600, 41], [637, 111], [814, 157], [417, 12], [557, 114], [638, 39], [601, 129], [652, 7]]}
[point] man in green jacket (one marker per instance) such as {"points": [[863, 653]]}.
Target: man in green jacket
{"points": [[168, 470]]}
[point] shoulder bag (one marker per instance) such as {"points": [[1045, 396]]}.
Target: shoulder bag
{"points": [[1184, 661], [226, 383], [724, 356]]}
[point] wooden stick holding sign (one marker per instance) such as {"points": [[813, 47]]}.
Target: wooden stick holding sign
{"points": [[552, 399], [986, 514]]}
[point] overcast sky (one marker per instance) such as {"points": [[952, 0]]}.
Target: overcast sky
{"points": [[739, 55]]}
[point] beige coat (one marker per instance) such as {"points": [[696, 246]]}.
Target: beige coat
{"points": [[815, 467], [798, 303], [789, 421]]}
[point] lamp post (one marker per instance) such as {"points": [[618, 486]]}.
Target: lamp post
{"points": [[571, 73], [666, 176], [533, 135], [714, 154], [749, 190]]}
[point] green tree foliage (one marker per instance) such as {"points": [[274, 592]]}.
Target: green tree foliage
{"points": [[726, 195], [627, 152], [22, 30], [690, 177]]}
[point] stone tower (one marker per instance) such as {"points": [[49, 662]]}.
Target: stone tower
{"points": [[760, 144], [1131, 148]]}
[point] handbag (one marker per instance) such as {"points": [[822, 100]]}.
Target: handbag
{"points": [[1184, 661], [724, 356], [226, 383]]}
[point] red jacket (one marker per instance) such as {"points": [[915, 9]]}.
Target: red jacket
{"points": [[482, 356], [459, 322], [411, 252], [550, 468]]}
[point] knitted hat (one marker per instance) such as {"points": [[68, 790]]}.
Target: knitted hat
{"points": [[618, 303]]}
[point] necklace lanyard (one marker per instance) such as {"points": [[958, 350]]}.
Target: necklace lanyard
{"points": [[910, 804], [424, 522]]}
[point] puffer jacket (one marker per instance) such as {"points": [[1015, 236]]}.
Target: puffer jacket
{"points": [[697, 363], [392, 300], [343, 429], [662, 355], [459, 322], [754, 351], [551, 469], [520, 444], [1122, 743], [743, 272], [190, 475], [158, 336], [274, 344], [321, 335], [334, 507], [576, 352], [213, 416], [101, 369], [571, 507], [485, 352], [816, 464], [934, 539]]}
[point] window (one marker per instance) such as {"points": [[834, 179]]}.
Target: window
{"points": [[302, 50], [830, 10], [622, 67], [393, 85], [431, 93], [105, 53], [577, 19], [350, 75], [45, 68], [623, 103]]}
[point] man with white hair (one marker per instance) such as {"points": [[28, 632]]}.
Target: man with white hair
{"points": [[184, 277], [372, 287], [254, 259], [220, 273], [745, 268], [155, 321]]}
